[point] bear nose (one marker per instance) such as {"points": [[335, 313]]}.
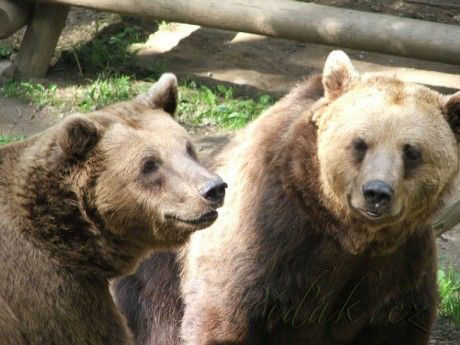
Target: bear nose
{"points": [[214, 191], [377, 193]]}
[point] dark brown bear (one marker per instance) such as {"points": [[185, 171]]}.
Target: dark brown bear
{"points": [[325, 235], [84, 202]]}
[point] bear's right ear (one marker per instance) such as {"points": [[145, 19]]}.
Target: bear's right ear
{"points": [[77, 136], [451, 110], [338, 73], [163, 94]]}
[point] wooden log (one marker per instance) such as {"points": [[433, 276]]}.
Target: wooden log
{"points": [[306, 22], [42, 35], [13, 16], [447, 218], [436, 3]]}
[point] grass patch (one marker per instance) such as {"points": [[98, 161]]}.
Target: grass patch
{"points": [[449, 290], [107, 90], [37, 94], [6, 139], [101, 92], [201, 106], [5, 51]]}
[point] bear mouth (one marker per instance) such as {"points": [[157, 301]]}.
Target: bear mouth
{"points": [[380, 217], [372, 215], [205, 218]]}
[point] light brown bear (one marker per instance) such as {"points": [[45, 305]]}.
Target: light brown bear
{"points": [[325, 236], [84, 202]]}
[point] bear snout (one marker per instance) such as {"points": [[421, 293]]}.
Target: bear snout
{"points": [[378, 196], [214, 191]]}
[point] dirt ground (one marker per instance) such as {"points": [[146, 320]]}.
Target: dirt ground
{"points": [[252, 64]]}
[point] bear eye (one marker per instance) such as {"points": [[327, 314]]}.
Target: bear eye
{"points": [[412, 156], [149, 166], [359, 149]]}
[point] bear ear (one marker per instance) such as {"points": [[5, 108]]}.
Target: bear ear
{"points": [[338, 73], [77, 136], [163, 94], [451, 110]]}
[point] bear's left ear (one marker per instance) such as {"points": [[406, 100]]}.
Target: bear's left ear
{"points": [[338, 74], [163, 94], [451, 110], [77, 136]]}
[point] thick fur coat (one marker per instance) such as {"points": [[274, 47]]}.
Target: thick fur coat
{"points": [[83, 203], [299, 254]]}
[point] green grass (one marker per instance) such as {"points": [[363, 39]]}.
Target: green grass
{"points": [[5, 51], [34, 93], [107, 90], [103, 91], [449, 290], [6, 139], [201, 105]]}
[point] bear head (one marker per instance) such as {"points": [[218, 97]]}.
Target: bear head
{"points": [[387, 149], [128, 175]]}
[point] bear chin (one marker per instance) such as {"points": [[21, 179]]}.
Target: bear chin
{"points": [[374, 220], [176, 231]]}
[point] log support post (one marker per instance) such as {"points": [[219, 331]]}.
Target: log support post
{"points": [[39, 43], [13, 16], [448, 218]]}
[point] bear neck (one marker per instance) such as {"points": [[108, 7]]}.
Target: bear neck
{"points": [[54, 215], [301, 180]]}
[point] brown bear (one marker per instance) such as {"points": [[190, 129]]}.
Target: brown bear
{"points": [[84, 202], [325, 235]]}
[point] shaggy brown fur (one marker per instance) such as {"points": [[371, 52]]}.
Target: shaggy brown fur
{"points": [[137, 295], [297, 256], [81, 204]]}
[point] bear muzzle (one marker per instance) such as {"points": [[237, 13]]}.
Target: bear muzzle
{"points": [[378, 197], [214, 191]]}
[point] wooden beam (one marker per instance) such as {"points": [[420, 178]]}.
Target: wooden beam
{"points": [[436, 3], [42, 35], [448, 217], [306, 22], [13, 16]]}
